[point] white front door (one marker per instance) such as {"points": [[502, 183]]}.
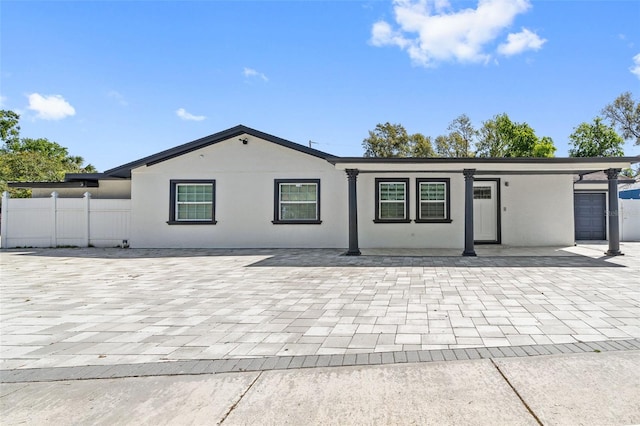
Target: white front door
{"points": [[485, 211]]}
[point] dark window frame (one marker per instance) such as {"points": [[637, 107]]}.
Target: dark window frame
{"points": [[447, 200], [378, 181], [276, 203], [173, 184]]}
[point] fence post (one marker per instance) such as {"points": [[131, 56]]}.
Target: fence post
{"points": [[54, 219], [3, 221], [87, 215]]}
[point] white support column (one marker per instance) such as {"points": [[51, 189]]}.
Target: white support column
{"points": [[87, 218], [54, 219], [5, 218]]}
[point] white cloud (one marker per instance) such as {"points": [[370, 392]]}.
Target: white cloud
{"points": [[635, 69], [249, 73], [182, 113], [432, 32], [520, 42], [118, 97], [51, 107]]}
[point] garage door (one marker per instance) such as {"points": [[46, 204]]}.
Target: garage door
{"points": [[589, 210]]}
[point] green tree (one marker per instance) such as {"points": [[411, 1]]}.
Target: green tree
{"points": [[544, 147], [9, 128], [393, 140], [501, 137], [32, 160], [595, 140], [624, 113], [459, 141], [493, 139], [421, 146]]}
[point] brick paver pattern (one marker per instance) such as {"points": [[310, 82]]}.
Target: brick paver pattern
{"points": [[93, 307]]}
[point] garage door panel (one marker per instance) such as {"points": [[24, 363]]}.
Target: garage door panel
{"points": [[590, 219]]}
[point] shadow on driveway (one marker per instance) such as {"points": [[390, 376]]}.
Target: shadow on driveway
{"points": [[329, 258]]}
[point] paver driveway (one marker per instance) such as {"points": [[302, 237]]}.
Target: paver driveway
{"points": [[72, 307]]}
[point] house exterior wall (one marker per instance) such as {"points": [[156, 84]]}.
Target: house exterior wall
{"points": [[244, 198], [409, 235], [537, 210], [107, 189]]}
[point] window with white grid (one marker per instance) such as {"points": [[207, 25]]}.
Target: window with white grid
{"points": [[297, 201], [192, 201]]}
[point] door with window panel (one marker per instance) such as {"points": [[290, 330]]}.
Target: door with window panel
{"points": [[485, 211]]}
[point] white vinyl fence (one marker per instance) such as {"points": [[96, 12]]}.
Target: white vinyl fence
{"points": [[55, 222], [629, 220]]}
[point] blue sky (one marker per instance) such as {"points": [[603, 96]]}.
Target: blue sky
{"points": [[116, 81]]}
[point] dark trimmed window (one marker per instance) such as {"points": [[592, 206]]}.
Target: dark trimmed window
{"points": [[192, 202], [433, 202], [392, 200], [296, 201]]}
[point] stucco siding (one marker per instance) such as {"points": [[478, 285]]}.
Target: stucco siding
{"points": [[412, 234], [244, 177], [537, 210]]}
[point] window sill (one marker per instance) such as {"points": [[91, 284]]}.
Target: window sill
{"points": [[392, 221], [433, 221], [296, 222], [191, 222]]}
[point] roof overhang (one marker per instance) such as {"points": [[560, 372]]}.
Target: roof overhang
{"points": [[484, 166], [53, 185], [72, 177]]}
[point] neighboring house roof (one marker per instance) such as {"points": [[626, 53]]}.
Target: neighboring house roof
{"points": [[599, 177], [125, 169], [71, 180], [629, 194], [87, 183]]}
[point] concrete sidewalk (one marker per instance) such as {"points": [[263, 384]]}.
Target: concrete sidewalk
{"points": [[586, 389]]}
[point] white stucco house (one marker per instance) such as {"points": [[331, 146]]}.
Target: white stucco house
{"points": [[242, 188]]}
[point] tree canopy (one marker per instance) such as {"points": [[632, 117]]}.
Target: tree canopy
{"points": [[459, 141], [498, 137], [624, 114], [595, 140], [501, 137], [32, 160], [393, 140]]}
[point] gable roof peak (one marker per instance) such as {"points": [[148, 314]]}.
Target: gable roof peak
{"points": [[124, 171]]}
